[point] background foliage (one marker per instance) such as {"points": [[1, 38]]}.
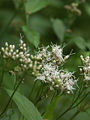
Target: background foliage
{"points": [[43, 22]]}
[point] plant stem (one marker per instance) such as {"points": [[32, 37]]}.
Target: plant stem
{"points": [[53, 97], [75, 115], [70, 107], [32, 88], [81, 100], [2, 77], [11, 98], [39, 93], [43, 95]]}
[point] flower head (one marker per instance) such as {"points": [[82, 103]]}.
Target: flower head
{"points": [[86, 67], [57, 54], [58, 79]]}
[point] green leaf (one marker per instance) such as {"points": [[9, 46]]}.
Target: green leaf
{"points": [[55, 3], [82, 116], [25, 106], [88, 44], [87, 8], [8, 80], [79, 41], [32, 36], [11, 114], [10, 38], [59, 28], [4, 20], [40, 24], [50, 110], [32, 6]]}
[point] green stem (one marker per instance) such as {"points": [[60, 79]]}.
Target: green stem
{"points": [[70, 107], [81, 100], [10, 98], [32, 88], [53, 96], [3, 70], [26, 16], [39, 93], [75, 115], [2, 77], [43, 96]]}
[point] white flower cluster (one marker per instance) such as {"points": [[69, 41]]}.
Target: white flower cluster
{"points": [[58, 79], [53, 53], [57, 54], [86, 67], [49, 73], [67, 81], [21, 54], [51, 58], [45, 64]]}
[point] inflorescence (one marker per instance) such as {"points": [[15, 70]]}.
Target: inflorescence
{"points": [[21, 54], [73, 8], [45, 65], [51, 59], [86, 67]]}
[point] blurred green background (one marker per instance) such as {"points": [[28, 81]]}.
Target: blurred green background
{"points": [[42, 22]]}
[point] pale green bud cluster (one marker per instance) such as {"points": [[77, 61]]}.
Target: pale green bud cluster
{"points": [[73, 8], [21, 54]]}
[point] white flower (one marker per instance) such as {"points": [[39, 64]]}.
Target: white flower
{"points": [[86, 67], [67, 81], [64, 81], [50, 58], [42, 53], [42, 77], [53, 53], [57, 50], [57, 53]]}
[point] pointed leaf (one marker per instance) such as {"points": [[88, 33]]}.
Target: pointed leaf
{"points": [[32, 36], [25, 106], [79, 41], [32, 6], [59, 28]]}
